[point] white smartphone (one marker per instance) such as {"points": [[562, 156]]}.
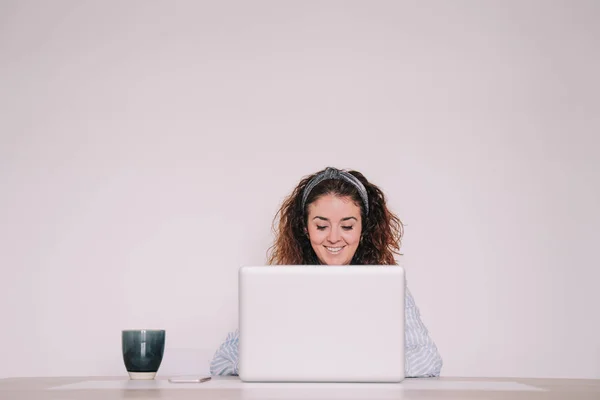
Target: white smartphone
{"points": [[189, 379]]}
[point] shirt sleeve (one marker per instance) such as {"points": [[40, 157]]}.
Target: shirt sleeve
{"points": [[422, 358], [225, 360]]}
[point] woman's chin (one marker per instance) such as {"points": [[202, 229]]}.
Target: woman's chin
{"points": [[334, 260]]}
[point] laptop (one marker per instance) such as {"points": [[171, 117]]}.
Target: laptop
{"points": [[321, 323]]}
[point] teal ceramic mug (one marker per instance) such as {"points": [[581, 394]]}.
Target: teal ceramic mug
{"points": [[143, 351]]}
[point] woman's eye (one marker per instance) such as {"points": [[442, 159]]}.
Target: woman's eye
{"points": [[347, 228], [321, 228]]}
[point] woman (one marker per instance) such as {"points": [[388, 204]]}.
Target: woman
{"points": [[336, 217]]}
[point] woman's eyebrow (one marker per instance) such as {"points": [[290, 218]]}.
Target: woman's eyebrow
{"points": [[342, 220]]}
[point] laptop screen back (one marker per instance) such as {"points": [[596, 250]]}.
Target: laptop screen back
{"points": [[321, 323]]}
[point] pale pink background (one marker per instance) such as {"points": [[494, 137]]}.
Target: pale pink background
{"points": [[146, 145]]}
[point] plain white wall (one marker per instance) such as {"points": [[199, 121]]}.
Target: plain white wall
{"points": [[145, 147]]}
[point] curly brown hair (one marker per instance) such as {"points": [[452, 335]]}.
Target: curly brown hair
{"points": [[381, 234]]}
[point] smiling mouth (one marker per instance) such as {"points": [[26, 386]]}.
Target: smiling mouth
{"points": [[334, 250]]}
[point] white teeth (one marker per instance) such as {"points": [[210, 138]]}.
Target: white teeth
{"points": [[334, 249]]}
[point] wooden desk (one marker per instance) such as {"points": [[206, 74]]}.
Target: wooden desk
{"points": [[92, 388]]}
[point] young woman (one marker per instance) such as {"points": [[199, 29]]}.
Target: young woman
{"points": [[336, 217]]}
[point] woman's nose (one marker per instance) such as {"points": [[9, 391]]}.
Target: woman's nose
{"points": [[334, 235]]}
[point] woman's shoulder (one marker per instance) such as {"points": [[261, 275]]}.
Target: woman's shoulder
{"points": [[233, 336], [408, 298]]}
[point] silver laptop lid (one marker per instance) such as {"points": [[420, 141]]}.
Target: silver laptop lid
{"points": [[321, 323]]}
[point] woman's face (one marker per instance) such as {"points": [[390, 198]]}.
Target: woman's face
{"points": [[334, 227]]}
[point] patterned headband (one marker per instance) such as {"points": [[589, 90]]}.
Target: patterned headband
{"points": [[334, 173]]}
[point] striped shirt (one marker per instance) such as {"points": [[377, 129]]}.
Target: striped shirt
{"points": [[422, 358]]}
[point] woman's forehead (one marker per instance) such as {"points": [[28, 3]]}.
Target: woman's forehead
{"points": [[334, 205]]}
